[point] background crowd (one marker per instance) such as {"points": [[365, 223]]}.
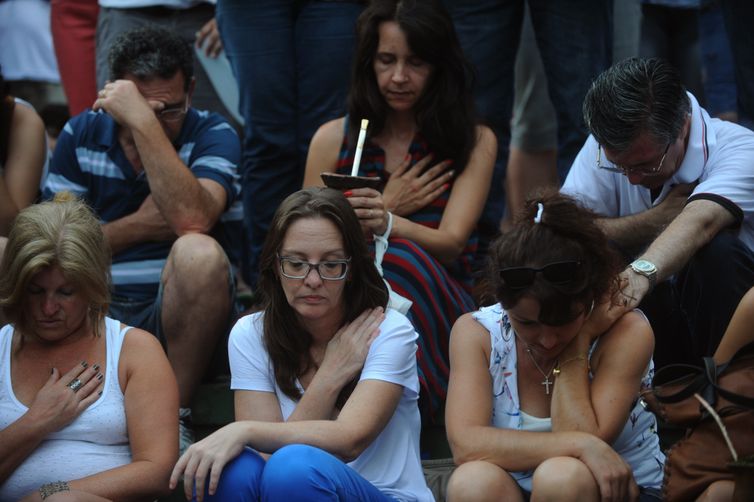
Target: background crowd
{"points": [[187, 125]]}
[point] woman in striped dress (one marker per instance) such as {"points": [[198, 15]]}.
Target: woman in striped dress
{"points": [[411, 81]]}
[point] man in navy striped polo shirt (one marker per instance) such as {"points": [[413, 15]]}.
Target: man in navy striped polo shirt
{"points": [[162, 178]]}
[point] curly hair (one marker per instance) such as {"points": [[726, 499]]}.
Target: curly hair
{"points": [[151, 52], [63, 232], [286, 340], [566, 232], [445, 112]]}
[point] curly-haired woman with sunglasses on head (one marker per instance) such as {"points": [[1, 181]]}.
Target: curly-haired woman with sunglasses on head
{"points": [[544, 385]]}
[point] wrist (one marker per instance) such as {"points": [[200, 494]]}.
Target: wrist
{"points": [[576, 362], [48, 489], [646, 269]]}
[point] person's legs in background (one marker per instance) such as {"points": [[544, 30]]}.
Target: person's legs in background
{"points": [[739, 20], [74, 26], [278, 104], [718, 73], [672, 34], [575, 41], [533, 150], [489, 32]]}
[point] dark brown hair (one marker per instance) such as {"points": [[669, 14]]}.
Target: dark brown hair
{"points": [[286, 340], [566, 232], [445, 112]]}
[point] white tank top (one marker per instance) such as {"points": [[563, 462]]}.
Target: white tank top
{"points": [[96, 441]]}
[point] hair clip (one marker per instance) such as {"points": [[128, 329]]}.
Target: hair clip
{"points": [[540, 210]]}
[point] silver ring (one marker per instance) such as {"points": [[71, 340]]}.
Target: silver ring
{"points": [[75, 384]]}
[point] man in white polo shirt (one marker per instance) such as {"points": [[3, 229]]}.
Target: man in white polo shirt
{"points": [[676, 190]]}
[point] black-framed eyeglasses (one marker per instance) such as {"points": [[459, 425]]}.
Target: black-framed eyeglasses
{"points": [[617, 168], [328, 270], [558, 273], [174, 112]]}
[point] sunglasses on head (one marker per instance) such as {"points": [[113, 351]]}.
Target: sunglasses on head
{"points": [[561, 272]]}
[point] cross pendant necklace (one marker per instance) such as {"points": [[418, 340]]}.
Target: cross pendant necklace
{"points": [[546, 382]]}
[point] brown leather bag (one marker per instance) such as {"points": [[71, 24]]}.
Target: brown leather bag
{"points": [[701, 457]]}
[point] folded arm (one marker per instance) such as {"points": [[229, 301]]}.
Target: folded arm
{"points": [[601, 406]]}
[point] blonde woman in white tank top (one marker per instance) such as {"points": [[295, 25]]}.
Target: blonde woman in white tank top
{"points": [[88, 406]]}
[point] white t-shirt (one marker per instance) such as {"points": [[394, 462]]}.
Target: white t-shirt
{"points": [[720, 155], [391, 463]]}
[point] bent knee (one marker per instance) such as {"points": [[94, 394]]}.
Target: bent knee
{"points": [[293, 466], [197, 253], [479, 481], [563, 478]]}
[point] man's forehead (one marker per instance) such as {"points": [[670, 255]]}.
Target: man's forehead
{"points": [[644, 146], [152, 83]]}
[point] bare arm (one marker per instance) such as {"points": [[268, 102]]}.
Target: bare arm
{"points": [[467, 198], [697, 224], [323, 152], [469, 410], [601, 407], [634, 233], [739, 332], [152, 416], [364, 416], [187, 205], [19, 184], [472, 437], [468, 194]]}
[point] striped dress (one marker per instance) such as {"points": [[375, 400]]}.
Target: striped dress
{"points": [[440, 293]]}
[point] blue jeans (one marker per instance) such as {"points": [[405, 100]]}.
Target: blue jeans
{"points": [[292, 62], [739, 20], [295, 472], [575, 43]]}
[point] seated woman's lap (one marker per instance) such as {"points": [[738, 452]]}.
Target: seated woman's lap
{"points": [[438, 300], [294, 472]]}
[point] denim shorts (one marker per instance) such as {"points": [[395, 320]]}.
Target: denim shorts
{"points": [[147, 314]]}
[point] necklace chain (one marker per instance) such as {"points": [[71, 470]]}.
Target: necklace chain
{"points": [[546, 382]]}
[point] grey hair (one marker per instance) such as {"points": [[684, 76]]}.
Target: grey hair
{"points": [[151, 52], [633, 96]]}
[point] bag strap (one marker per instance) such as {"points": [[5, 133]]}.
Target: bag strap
{"points": [[733, 397], [698, 383]]}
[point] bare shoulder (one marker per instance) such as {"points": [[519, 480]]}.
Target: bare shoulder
{"points": [[631, 334], [329, 136], [323, 151], [485, 135], [468, 332], [141, 350]]}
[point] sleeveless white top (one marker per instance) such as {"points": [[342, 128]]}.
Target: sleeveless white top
{"points": [[637, 443], [96, 441]]}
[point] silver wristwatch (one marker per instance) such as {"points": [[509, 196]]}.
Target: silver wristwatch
{"points": [[647, 269]]}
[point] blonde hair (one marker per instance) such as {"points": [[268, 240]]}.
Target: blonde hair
{"points": [[62, 232]]}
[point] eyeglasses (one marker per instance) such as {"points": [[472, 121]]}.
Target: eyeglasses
{"points": [[561, 272], [172, 113], [330, 270], [617, 168]]}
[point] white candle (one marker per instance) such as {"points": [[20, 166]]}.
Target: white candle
{"points": [[359, 147]]}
